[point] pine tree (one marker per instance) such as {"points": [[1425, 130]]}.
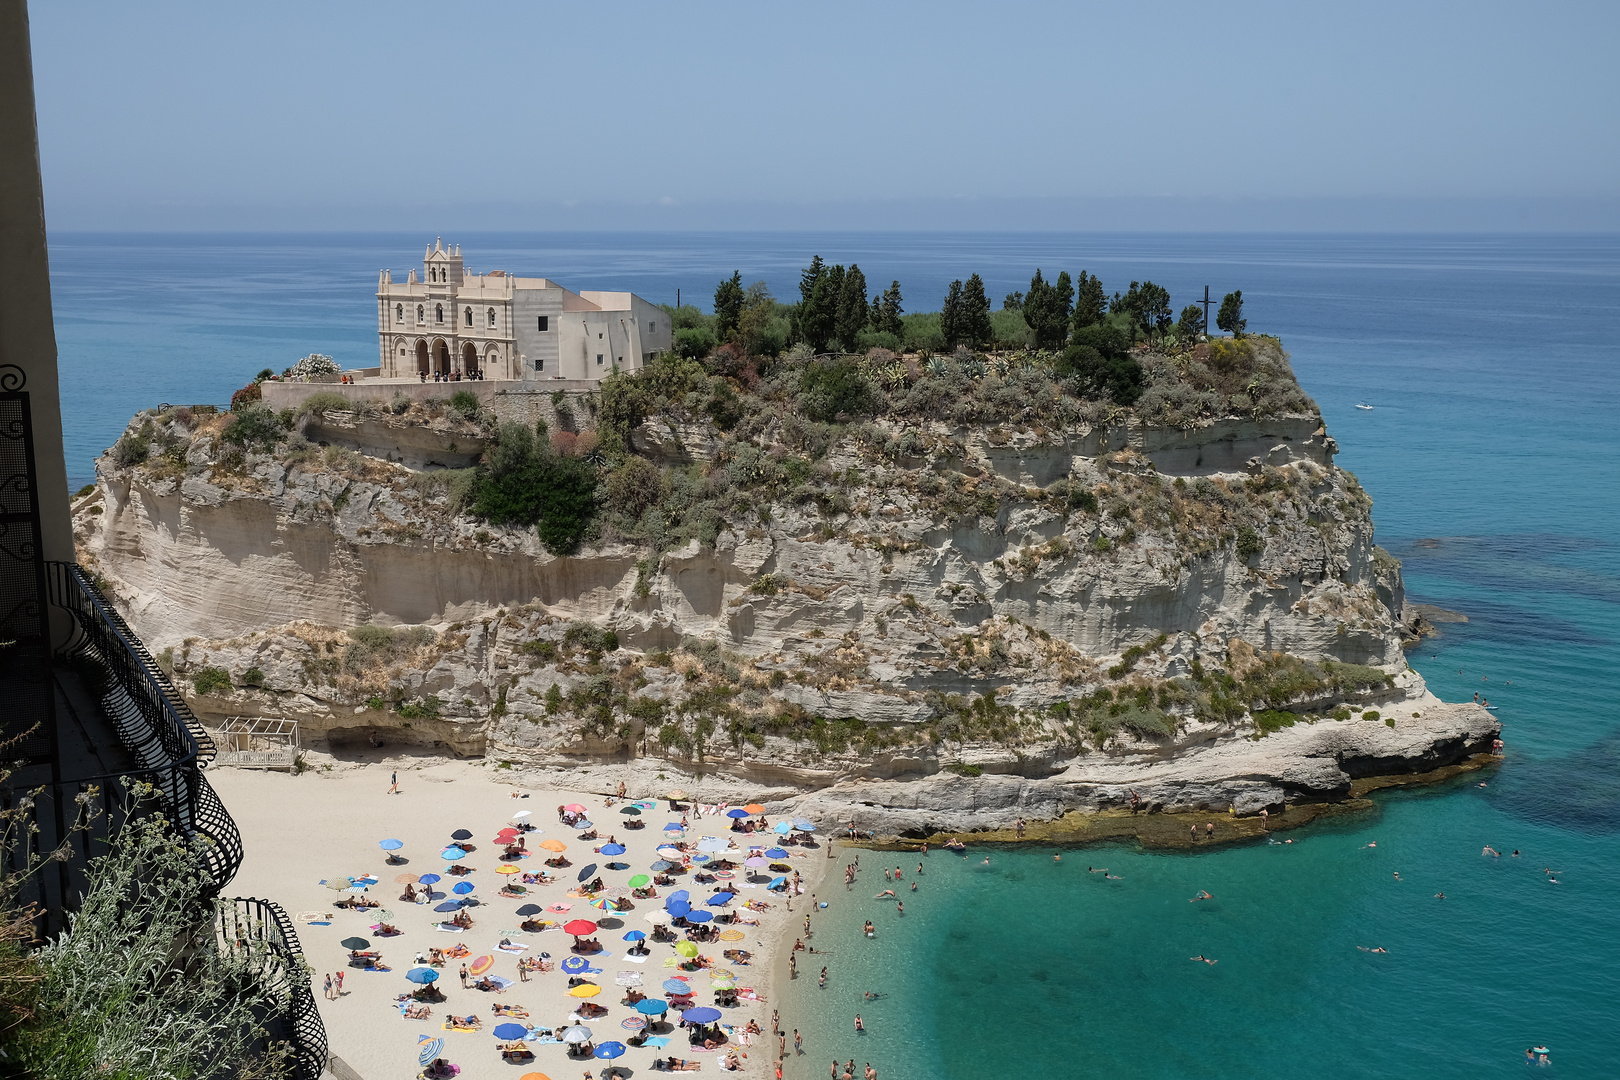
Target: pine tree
{"points": [[886, 314], [728, 305], [1047, 309], [818, 306], [1192, 321], [950, 316], [1038, 304], [1230, 317], [976, 326], [1155, 309], [1090, 302], [852, 308]]}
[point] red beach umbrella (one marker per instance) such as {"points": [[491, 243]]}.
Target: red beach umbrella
{"points": [[579, 927]]}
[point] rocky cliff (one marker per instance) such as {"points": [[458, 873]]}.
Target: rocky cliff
{"points": [[1188, 605]]}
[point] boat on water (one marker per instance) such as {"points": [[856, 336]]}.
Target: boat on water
{"points": [[1363, 405]]}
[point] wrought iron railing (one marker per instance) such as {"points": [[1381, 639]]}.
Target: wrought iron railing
{"points": [[280, 968]]}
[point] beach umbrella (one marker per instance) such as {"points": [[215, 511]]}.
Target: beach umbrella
{"points": [[732, 935], [355, 943], [558, 907], [574, 808], [553, 845], [585, 990], [677, 986], [452, 853], [430, 1050], [461, 834], [754, 808], [651, 1006], [508, 831], [581, 825], [390, 845], [384, 915], [575, 964], [508, 868], [777, 883], [529, 909], [448, 905], [428, 879], [657, 916], [699, 916], [725, 983], [628, 978], [674, 826], [784, 827], [576, 1035], [509, 1031], [756, 862], [776, 853], [405, 879], [639, 880], [482, 964], [634, 935], [678, 894], [610, 1050], [686, 949], [586, 871], [611, 849], [803, 826], [462, 888], [701, 859], [633, 811], [337, 884], [678, 908], [521, 815], [423, 975], [659, 866], [603, 904], [579, 927], [701, 1015], [677, 793], [736, 812], [534, 1075], [720, 899], [713, 844]]}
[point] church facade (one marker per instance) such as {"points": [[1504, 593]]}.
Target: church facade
{"points": [[448, 322]]}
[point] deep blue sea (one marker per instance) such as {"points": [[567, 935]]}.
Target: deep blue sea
{"points": [[1493, 457]]}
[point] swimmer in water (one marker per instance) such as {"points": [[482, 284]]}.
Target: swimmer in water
{"points": [[1096, 869], [1113, 877], [869, 929], [913, 886], [1380, 948], [1515, 853], [986, 861], [1439, 896], [1492, 852], [1202, 895], [1397, 875], [1204, 958], [885, 892], [1366, 846], [1057, 858]]}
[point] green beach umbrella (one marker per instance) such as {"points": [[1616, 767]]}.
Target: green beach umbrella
{"points": [[639, 880]]}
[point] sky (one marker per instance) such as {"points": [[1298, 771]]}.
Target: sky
{"points": [[1481, 115]]}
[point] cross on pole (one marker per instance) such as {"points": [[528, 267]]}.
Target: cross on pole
{"points": [[1206, 301]]}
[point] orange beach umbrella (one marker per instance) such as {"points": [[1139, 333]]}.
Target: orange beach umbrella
{"points": [[553, 845], [754, 808], [481, 965]]}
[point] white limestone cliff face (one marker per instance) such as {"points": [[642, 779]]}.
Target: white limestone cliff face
{"points": [[1204, 547]]}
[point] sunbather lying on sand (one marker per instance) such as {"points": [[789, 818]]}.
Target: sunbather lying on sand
{"points": [[416, 1012]]}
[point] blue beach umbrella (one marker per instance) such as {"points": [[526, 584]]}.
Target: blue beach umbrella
{"points": [[661, 864], [575, 964], [610, 1050], [453, 853], [678, 894], [674, 826], [699, 916], [700, 859], [777, 883], [430, 1050], [776, 853], [635, 935], [701, 1015], [462, 888], [448, 905], [678, 908], [390, 845], [653, 1006], [677, 986], [428, 879], [719, 899], [423, 975], [803, 826], [784, 827], [736, 812], [612, 849], [509, 1031]]}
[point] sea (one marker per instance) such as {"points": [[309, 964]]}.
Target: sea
{"points": [[1492, 452]]}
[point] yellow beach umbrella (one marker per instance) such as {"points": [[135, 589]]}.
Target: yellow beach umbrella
{"points": [[677, 793], [508, 869], [686, 949], [732, 935], [585, 990]]}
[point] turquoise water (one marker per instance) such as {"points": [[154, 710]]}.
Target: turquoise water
{"points": [[1492, 365]]}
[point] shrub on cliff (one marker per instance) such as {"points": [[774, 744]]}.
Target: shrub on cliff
{"points": [[835, 389], [379, 646], [465, 402], [211, 680], [247, 395], [254, 426], [524, 483]]}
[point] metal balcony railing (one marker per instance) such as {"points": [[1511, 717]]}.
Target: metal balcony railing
{"points": [[244, 922]]}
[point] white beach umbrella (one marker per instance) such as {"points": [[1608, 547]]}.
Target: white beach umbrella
{"points": [[658, 916], [713, 844], [577, 1035]]}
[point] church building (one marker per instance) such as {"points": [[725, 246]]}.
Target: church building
{"points": [[496, 326]]}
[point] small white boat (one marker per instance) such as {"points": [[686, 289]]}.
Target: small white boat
{"points": [[1363, 405]]}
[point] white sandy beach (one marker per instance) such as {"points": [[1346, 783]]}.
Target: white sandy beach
{"points": [[299, 830]]}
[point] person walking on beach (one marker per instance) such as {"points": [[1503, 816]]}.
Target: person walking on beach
{"points": [[798, 1043], [393, 787], [464, 976], [340, 983], [327, 993], [1209, 830], [1193, 831]]}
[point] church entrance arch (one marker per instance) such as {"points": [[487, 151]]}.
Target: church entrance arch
{"points": [[441, 357], [469, 359], [422, 358]]}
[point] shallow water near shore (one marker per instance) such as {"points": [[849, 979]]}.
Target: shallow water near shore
{"points": [[1492, 456]]}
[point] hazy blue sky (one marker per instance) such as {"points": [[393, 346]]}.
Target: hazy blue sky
{"points": [[1128, 115]]}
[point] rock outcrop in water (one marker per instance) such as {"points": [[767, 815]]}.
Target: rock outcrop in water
{"points": [[946, 623]]}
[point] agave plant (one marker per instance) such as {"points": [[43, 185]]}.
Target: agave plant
{"points": [[936, 365]]}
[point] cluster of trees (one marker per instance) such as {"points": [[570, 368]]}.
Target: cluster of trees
{"points": [[835, 313]]}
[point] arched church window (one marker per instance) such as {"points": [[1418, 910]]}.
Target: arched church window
{"points": [[399, 312], [492, 316], [468, 316], [438, 313], [419, 313]]}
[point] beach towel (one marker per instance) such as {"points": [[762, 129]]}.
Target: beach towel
{"points": [[450, 928], [515, 946], [635, 959]]}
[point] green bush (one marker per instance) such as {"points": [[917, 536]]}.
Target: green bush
{"points": [[325, 401], [252, 677], [962, 768], [1372, 714], [590, 638], [1249, 542], [694, 342], [541, 649], [374, 646], [211, 680], [1267, 721], [833, 389], [426, 708], [1097, 375], [524, 484], [131, 449], [465, 402], [254, 425]]}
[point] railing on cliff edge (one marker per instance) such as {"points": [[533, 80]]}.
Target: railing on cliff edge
{"points": [[281, 968]]}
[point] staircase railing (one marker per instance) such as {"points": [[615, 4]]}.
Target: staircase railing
{"points": [[281, 968]]}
